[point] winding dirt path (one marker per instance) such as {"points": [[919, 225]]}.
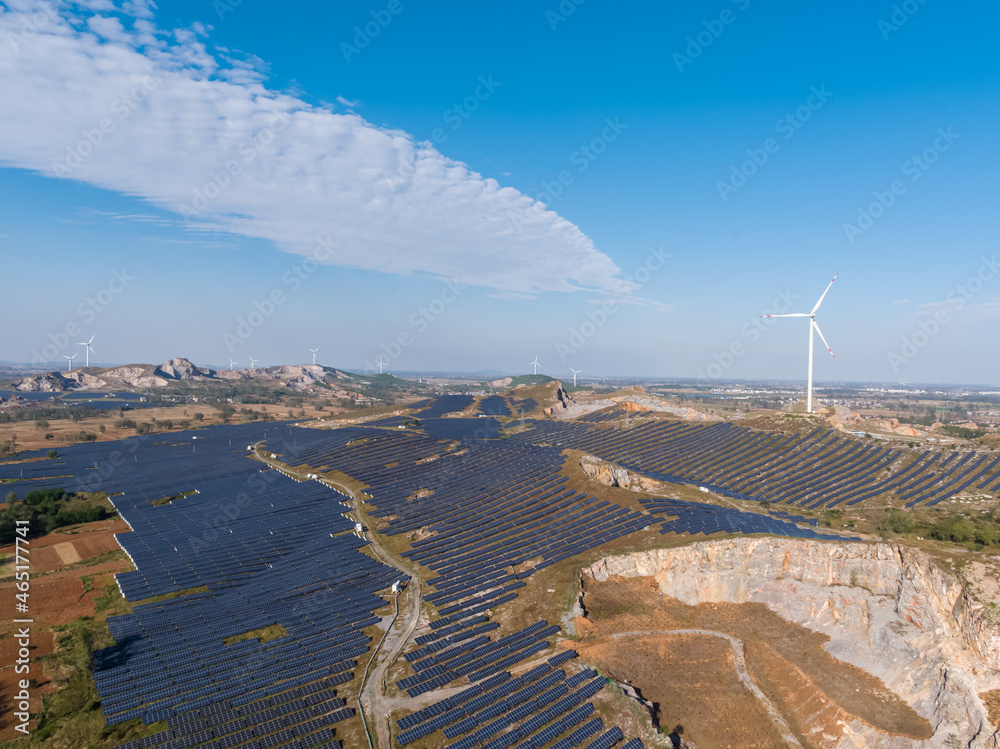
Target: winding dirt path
{"points": [[397, 635], [372, 700], [739, 665]]}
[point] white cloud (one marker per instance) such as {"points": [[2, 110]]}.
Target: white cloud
{"points": [[348, 103], [175, 116]]}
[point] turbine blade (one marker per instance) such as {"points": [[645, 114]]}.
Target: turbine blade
{"points": [[824, 294], [816, 326], [794, 314]]}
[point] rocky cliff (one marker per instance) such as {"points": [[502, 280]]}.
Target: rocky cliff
{"points": [[613, 474], [887, 609]]}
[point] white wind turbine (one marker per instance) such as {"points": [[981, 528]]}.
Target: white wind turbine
{"points": [[381, 363], [69, 361], [89, 349], [812, 327], [232, 364], [314, 350], [252, 360], [536, 365], [575, 373]]}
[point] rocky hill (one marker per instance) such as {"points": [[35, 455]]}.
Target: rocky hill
{"points": [[174, 371], [887, 609]]}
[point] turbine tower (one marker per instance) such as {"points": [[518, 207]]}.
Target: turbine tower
{"points": [[381, 363], [252, 360], [231, 364], [69, 362], [812, 327], [89, 348], [314, 350], [575, 373], [535, 364]]}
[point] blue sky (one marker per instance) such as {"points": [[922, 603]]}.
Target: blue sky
{"points": [[739, 138]]}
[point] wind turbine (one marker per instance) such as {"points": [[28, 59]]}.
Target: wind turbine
{"points": [[575, 373], [231, 364], [535, 364], [381, 363], [69, 362], [314, 350], [252, 360], [89, 348], [812, 327]]}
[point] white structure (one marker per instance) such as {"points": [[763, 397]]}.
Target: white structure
{"points": [[575, 373], [381, 363], [89, 349], [69, 362], [314, 350], [231, 364], [535, 364], [812, 327], [252, 360], [397, 586]]}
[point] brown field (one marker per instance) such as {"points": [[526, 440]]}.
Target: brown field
{"points": [[992, 702], [64, 431], [788, 662], [70, 569], [691, 681]]}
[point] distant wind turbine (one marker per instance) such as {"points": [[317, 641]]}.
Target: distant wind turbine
{"points": [[575, 373], [252, 360], [231, 364], [812, 326], [536, 365], [314, 350], [69, 362], [381, 363], [89, 348]]}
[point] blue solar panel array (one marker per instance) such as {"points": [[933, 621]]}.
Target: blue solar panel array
{"points": [[821, 469], [268, 550]]}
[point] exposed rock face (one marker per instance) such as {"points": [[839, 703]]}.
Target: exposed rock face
{"points": [[43, 383], [182, 369], [887, 609], [613, 474]]}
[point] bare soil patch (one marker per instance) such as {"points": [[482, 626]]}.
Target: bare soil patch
{"points": [[779, 654]]}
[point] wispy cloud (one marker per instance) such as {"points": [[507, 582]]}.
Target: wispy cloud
{"points": [[348, 103], [109, 99]]}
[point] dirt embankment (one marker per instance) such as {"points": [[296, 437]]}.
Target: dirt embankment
{"points": [[855, 644]]}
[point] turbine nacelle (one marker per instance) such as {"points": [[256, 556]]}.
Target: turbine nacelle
{"points": [[813, 326]]}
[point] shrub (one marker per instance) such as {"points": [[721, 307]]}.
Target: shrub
{"points": [[896, 521]]}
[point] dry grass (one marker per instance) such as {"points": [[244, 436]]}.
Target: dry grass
{"points": [[992, 702], [691, 681], [778, 652]]}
